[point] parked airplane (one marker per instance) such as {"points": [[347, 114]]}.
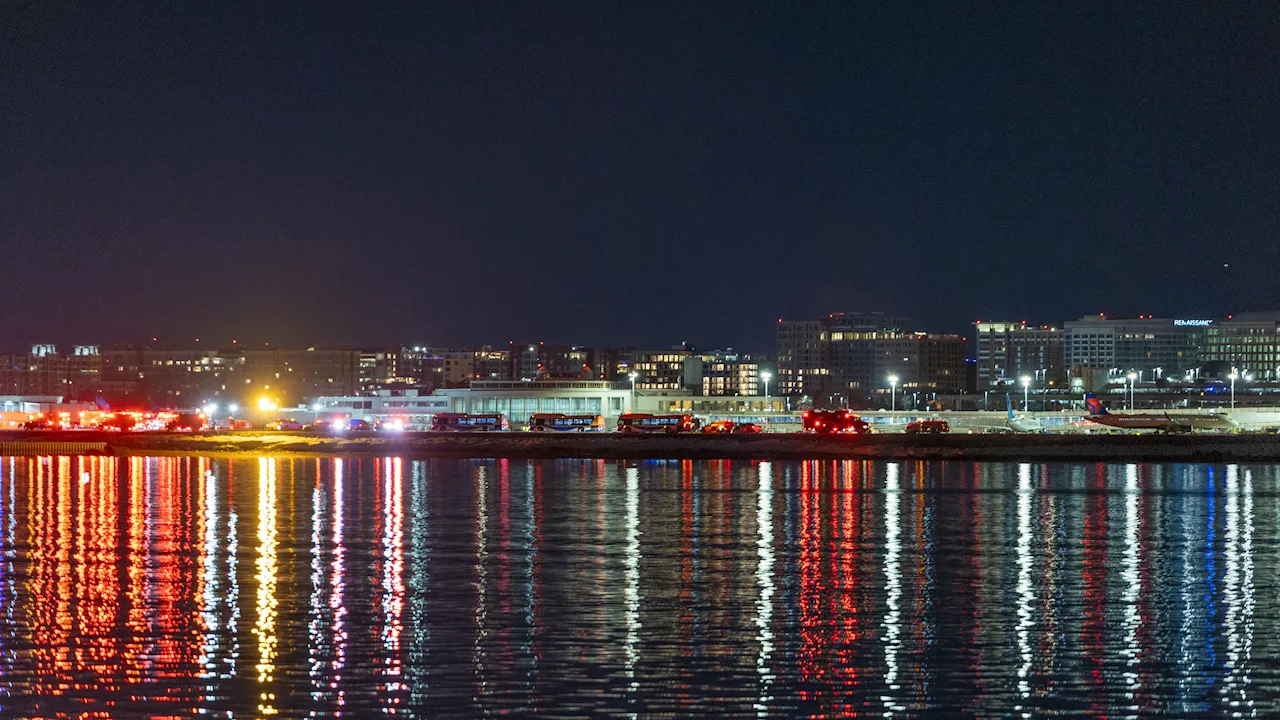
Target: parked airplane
{"points": [[1022, 423], [1164, 422]]}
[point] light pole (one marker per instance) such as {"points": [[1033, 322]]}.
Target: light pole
{"points": [[632, 377], [1026, 394], [766, 376], [1234, 374], [893, 392], [1133, 391]]}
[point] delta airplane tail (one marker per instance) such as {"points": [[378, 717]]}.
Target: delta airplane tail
{"points": [[1094, 405]]}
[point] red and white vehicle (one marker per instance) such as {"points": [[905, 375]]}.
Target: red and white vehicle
{"points": [[462, 422], [646, 423]]}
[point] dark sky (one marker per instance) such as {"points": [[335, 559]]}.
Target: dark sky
{"points": [[638, 173]]}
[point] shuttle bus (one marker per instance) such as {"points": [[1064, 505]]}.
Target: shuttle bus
{"points": [[462, 422], [559, 422], [644, 422]]}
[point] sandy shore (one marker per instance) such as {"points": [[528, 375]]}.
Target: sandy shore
{"points": [[1115, 448]]}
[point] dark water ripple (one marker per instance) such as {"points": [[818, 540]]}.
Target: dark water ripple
{"points": [[269, 587]]}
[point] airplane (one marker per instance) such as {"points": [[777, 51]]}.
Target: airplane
{"points": [[1024, 423], [1163, 422]]}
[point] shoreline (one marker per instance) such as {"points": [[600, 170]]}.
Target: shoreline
{"points": [[779, 446]]}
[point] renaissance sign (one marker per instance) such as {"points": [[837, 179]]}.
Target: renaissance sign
{"points": [[1192, 323]]}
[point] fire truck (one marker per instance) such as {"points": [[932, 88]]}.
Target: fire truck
{"points": [[831, 422]]}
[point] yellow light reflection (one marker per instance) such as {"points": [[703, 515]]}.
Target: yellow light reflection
{"points": [[265, 627]]}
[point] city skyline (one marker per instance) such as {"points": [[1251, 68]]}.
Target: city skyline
{"points": [[278, 175]]}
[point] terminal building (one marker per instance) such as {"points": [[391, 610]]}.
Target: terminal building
{"points": [[520, 399]]}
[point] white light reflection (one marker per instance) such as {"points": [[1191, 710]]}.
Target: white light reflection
{"points": [[393, 577], [1132, 579], [210, 573], [764, 579], [482, 561], [317, 588], [338, 586], [893, 587], [1025, 622], [632, 563], [1238, 592], [233, 588]]}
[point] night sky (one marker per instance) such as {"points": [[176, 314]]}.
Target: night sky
{"points": [[465, 173]]}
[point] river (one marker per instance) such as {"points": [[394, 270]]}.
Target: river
{"points": [[266, 586]]}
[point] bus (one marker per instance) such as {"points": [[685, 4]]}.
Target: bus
{"points": [[644, 422], [462, 422], [559, 422]]}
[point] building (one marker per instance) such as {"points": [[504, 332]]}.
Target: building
{"points": [[724, 373], [849, 358], [378, 367], [657, 369], [185, 378], [802, 362], [530, 361], [1008, 351], [410, 407], [1249, 343], [45, 371], [519, 399], [1101, 347], [422, 367]]}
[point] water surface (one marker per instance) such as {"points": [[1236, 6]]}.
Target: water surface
{"points": [[458, 588]]}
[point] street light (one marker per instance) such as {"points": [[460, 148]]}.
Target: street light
{"points": [[633, 377], [1234, 374], [1026, 393], [766, 376], [1133, 390], [893, 392]]}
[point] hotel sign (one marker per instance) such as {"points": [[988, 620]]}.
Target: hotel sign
{"points": [[1192, 323]]}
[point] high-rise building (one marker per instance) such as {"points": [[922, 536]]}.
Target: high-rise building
{"points": [[1248, 342], [657, 369], [850, 357], [45, 371], [530, 361], [378, 367], [802, 363], [1009, 351], [725, 372]]}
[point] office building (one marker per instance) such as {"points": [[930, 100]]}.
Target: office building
{"points": [[849, 358], [1248, 342], [1006, 352]]}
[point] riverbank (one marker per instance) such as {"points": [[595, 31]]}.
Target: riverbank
{"points": [[1007, 448]]}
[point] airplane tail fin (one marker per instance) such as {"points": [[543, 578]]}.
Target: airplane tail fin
{"points": [[1008, 402], [1094, 405]]}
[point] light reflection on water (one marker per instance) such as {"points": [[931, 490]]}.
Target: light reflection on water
{"points": [[272, 587]]}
